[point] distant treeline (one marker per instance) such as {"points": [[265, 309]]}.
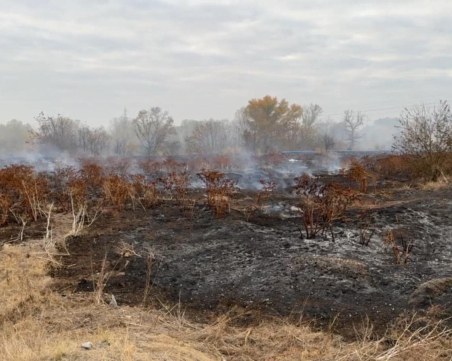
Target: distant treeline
{"points": [[264, 125]]}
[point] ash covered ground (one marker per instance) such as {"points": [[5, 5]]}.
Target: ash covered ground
{"points": [[257, 256]]}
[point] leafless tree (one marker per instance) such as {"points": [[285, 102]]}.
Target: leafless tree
{"points": [[153, 127], [328, 142], [123, 138], [14, 136], [94, 141], [426, 136], [208, 137], [59, 131], [310, 115], [353, 121], [308, 132]]}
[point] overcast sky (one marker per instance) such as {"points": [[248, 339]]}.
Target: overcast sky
{"points": [[199, 59]]}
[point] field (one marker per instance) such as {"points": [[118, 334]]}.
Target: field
{"points": [[221, 259]]}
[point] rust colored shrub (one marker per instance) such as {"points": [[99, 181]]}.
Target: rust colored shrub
{"points": [[394, 167], [219, 190], [22, 190], [357, 173], [268, 187], [93, 175], [117, 191], [175, 184], [144, 192], [322, 204]]}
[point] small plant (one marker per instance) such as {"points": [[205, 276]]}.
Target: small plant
{"points": [[23, 193], [145, 192], [268, 187], [219, 190], [366, 231], [401, 247], [93, 175], [322, 204], [175, 184], [117, 191], [84, 209], [358, 174]]}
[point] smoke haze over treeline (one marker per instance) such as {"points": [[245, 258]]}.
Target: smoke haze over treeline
{"points": [[263, 126]]}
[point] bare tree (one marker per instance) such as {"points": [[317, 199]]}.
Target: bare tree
{"points": [[93, 141], [426, 136], [353, 121], [310, 115], [328, 142], [208, 137], [14, 136], [123, 138], [59, 131], [308, 136], [153, 127]]}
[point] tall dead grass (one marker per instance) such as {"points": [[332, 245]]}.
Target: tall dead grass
{"points": [[37, 323]]}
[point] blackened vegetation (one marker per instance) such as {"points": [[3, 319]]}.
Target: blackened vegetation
{"points": [[154, 238], [322, 204]]}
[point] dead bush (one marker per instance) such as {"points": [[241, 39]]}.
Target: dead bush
{"points": [[268, 187], [357, 173], [145, 192], [219, 190], [400, 243], [394, 167], [118, 191], [175, 184], [322, 204], [24, 192]]}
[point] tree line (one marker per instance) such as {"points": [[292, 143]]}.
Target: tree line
{"points": [[264, 125]]}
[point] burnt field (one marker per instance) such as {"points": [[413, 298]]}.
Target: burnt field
{"points": [[281, 238]]}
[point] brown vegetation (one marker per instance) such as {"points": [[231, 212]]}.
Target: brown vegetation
{"points": [[322, 204], [38, 323]]}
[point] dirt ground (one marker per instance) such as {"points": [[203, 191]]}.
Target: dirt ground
{"points": [[258, 260]]}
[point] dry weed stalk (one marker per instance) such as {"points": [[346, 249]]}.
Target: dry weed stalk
{"points": [[102, 279], [407, 339], [263, 195], [149, 261], [402, 251], [366, 231]]}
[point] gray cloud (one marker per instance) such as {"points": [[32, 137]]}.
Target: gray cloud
{"points": [[201, 59]]}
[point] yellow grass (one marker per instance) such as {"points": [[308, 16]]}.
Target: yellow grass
{"points": [[37, 323], [442, 183]]}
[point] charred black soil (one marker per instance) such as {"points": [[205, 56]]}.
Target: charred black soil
{"points": [[258, 259]]}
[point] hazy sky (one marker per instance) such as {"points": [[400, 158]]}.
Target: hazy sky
{"points": [[88, 59]]}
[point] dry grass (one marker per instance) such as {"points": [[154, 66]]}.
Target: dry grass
{"points": [[39, 324], [442, 183]]}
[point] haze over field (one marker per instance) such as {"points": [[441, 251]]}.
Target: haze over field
{"points": [[205, 59]]}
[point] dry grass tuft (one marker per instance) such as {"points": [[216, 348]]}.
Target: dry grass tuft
{"points": [[39, 324], [442, 183]]}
